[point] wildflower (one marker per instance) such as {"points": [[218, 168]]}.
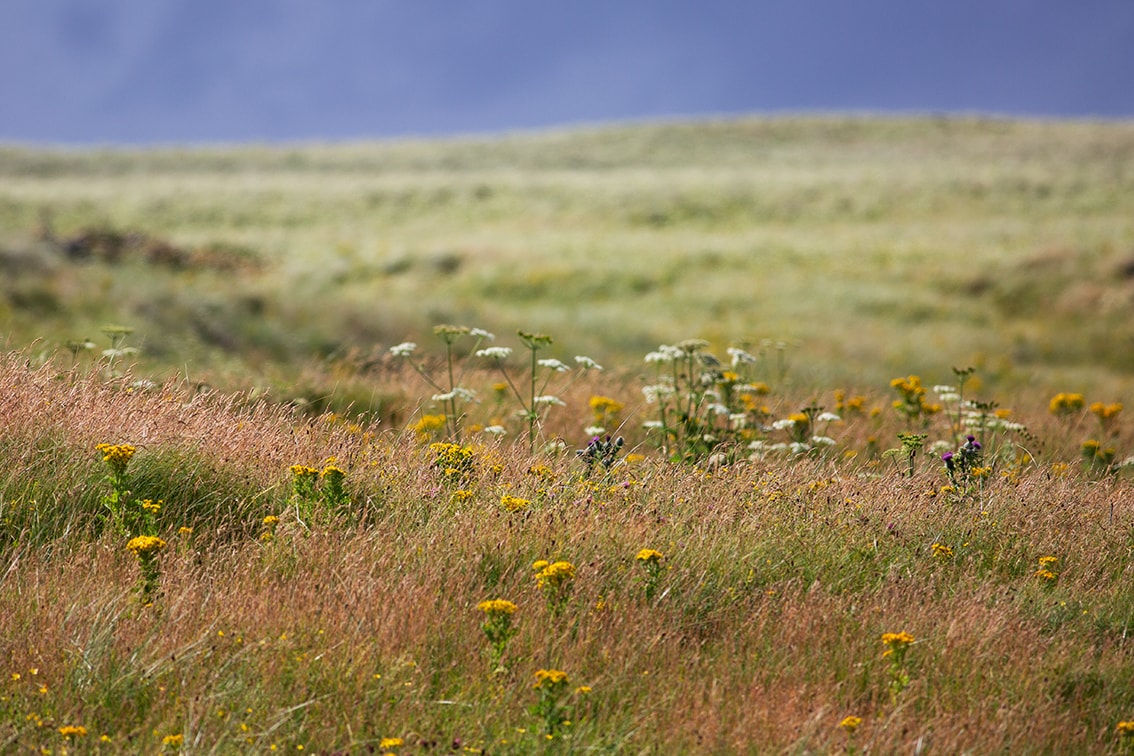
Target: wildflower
{"points": [[151, 506], [173, 741], [73, 731], [145, 545], [1125, 729], [586, 363], [513, 503], [1047, 561], [428, 425], [1064, 404], [548, 399], [553, 364], [405, 349], [303, 471], [388, 743], [496, 430], [555, 574], [497, 606], [897, 642], [495, 353], [942, 552], [582, 690], [740, 357], [270, 521], [850, 724], [480, 333], [1105, 412], [649, 555], [549, 678], [118, 456], [184, 531]]}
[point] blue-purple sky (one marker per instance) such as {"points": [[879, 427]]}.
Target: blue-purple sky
{"points": [[190, 71]]}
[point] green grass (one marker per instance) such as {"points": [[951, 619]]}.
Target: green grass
{"points": [[880, 245]]}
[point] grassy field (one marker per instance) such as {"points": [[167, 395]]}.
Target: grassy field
{"points": [[300, 518], [875, 246]]}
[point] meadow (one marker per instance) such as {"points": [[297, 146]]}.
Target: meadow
{"points": [[758, 436]]}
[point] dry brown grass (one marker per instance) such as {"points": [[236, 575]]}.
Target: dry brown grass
{"points": [[781, 578]]}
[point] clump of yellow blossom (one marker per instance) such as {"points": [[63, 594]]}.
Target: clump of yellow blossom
{"points": [[942, 552], [850, 724], [513, 503], [73, 731], [497, 606], [1065, 404], [145, 545]]}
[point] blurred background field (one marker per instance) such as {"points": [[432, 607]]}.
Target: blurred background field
{"points": [[867, 247]]}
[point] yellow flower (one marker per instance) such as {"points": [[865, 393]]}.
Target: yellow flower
{"points": [[144, 545], [539, 564], [556, 574], [582, 690], [1125, 729], [513, 503], [173, 741], [649, 556], [184, 531], [73, 731], [549, 678], [942, 552], [331, 471], [303, 471], [387, 743], [1047, 561], [850, 724], [270, 521], [152, 506], [1046, 575], [116, 454], [897, 640], [1064, 404], [497, 606]]}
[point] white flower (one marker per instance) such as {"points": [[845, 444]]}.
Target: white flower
{"points": [[784, 424], [549, 399], [594, 430], [665, 353], [798, 447], [494, 353], [586, 363], [405, 349], [942, 390], [554, 364], [740, 357], [657, 392], [718, 409], [653, 425], [738, 420], [822, 440], [828, 417], [480, 333], [496, 430], [464, 394]]}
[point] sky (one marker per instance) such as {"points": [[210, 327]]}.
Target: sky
{"points": [[206, 71]]}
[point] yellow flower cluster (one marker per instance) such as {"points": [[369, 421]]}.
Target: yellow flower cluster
{"points": [[117, 455], [173, 741], [549, 678], [428, 425], [554, 574], [513, 503], [850, 724], [605, 408], [152, 506], [1106, 412], [1064, 403], [496, 607], [303, 471], [1125, 729], [897, 640], [387, 743], [942, 551], [649, 556], [73, 731], [145, 544]]}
